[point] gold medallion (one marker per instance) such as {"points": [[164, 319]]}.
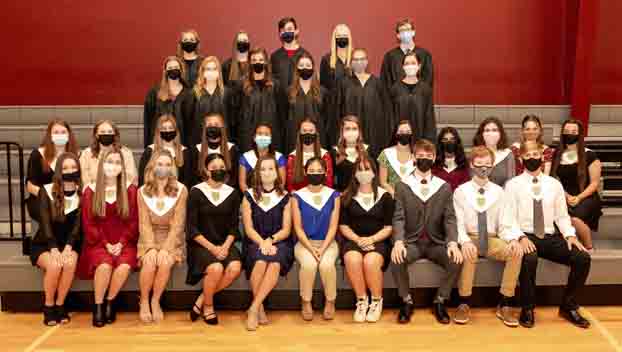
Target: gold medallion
{"points": [[265, 200], [317, 199], [160, 204], [215, 196], [536, 189], [403, 170], [425, 190], [481, 201], [367, 200]]}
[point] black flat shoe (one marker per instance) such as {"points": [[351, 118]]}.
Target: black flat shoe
{"points": [[440, 313], [110, 311], [406, 312], [49, 316], [527, 318], [573, 316], [99, 318], [62, 315], [194, 316]]}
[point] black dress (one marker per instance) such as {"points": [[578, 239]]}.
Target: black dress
{"points": [[216, 102], [392, 69], [213, 214], [590, 209], [307, 106], [194, 177], [52, 234], [263, 104], [183, 172], [365, 220], [268, 220], [331, 79], [38, 177], [192, 69], [343, 170], [283, 66], [181, 107], [414, 103]]}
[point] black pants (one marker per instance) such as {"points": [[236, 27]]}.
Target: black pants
{"points": [[555, 249]]}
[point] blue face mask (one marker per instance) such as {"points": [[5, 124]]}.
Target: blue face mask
{"points": [[263, 142], [407, 36]]}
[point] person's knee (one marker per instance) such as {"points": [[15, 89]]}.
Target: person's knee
{"points": [[234, 268], [372, 262], [104, 268], [582, 259], [326, 265], [530, 260], [215, 269], [353, 259]]}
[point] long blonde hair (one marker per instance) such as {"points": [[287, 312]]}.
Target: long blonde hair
{"points": [[98, 207], [177, 146], [164, 91], [333, 47], [199, 85], [150, 188]]}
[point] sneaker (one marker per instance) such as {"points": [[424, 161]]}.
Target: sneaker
{"points": [[463, 314], [375, 311], [361, 310], [505, 314]]}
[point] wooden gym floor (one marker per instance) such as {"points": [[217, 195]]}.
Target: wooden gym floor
{"points": [[287, 332]]}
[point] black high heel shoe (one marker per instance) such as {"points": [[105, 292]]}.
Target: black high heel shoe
{"points": [[110, 311], [99, 319], [211, 318], [61, 314], [49, 316], [194, 316]]}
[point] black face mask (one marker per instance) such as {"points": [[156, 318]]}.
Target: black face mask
{"points": [[213, 132], [305, 73], [316, 179], [424, 164], [404, 139], [71, 177], [243, 46], [288, 37], [105, 139], [189, 46], [173, 74], [258, 67], [168, 135], [218, 175], [308, 138], [532, 164], [69, 193], [569, 139], [450, 147], [342, 42]]}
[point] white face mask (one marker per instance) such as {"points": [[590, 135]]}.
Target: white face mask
{"points": [[491, 138], [411, 70], [211, 75], [111, 170], [351, 136], [162, 171], [364, 176], [268, 176], [60, 139]]}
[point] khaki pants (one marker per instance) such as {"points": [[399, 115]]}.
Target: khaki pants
{"points": [[496, 251], [309, 267]]}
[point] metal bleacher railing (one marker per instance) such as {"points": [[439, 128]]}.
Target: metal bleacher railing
{"points": [[22, 217]]}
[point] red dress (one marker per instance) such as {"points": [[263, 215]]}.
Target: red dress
{"points": [[111, 229], [455, 177], [291, 165], [547, 156]]}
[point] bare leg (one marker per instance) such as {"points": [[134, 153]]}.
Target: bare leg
{"points": [[101, 281], [50, 277], [214, 274], [231, 273], [119, 276], [372, 264], [66, 279], [354, 270], [161, 279], [145, 281], [269, 281], [259, 270], [583, 232]]}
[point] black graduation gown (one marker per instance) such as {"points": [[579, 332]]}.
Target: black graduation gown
{"points": [[306, 106], [183, 172], [181, 107], [418, 107], [263, 104], [371, 104], [195, 176], [191, 68], [283, 66], [392, 70], [209, 103], [332, 79], [226, 69]]}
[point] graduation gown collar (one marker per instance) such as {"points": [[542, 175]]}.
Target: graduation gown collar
{"points": [[71, 203], [424, 192], [215, 195], [268, 200], [315, 200], [367, 201], [161, 206]]}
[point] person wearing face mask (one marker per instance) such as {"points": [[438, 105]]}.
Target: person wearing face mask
{"points": [[307, 147], [579, 169], [424, 226], [536, 210], [491, 134], [172, 95], [349, 148], [105, 136], [59, 138], [283, 60], [55, 245], [236, 68], [307, 98], [167, 138], [396, 162], [268, 247], [479, 206], [110, 225], [531, 130], [212, 228], [450, 164], [391, 70], [188, 50], [315, 211], [161, 218], [262, 146], [362, 94], [365, 225], [412, 99]]}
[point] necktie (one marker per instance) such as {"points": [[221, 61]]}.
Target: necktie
{"points": [[538, 216], [482, 229]]}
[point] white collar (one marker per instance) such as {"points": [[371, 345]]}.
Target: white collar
{"points": [[214, 151], [500, 155], [367, 201], [452, 165], [251, 157], [268, 200], [315, 200], [215, 195], [424, 193], [351, 153], [161, 206], [401, 169], [480, 202], [71, 203], [535, 190]]}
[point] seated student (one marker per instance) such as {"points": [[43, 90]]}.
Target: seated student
{"points": [[396, 162], [307, 147], [167, 138], [110, 224], [479, 206], [350, 146], [161, 218], [536, 210], [58, 139], [531, 130], [215, 140], [451, 164], [315, 211], [433, 236], [578, 169], [211, 229], [365, 225], [491, 134], [56, 244], [262, 146], [268, 246], [105, 136]]}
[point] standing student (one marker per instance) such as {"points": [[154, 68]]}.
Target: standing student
{"points": [[579, 169], [58, 139], [396, 162], [365, 224], [170, 96], [536, 210], [162, 217], [268, 246], [262, 146], [491, 134], [531, 130], [424, 226], [56, 244], [391, 70], [188, 51], [283, 60], [105, 136], [167, 138], [110, 224], [236, 68], [451, 164], [212, 228], [315, 211], [412, 99], [307, 147], [350, 147]]}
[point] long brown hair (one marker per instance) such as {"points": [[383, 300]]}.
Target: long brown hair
{"points": [[299, 175], [98, 207], [180, 51], [258, 186], [177, 146], [150, 188], [412, 131], [249, 82], [353, 188], [199, 86], [58, 191], [234, 70], [581, 160], [341, 143], [224, 144], [49, 150], [478, 139], [95, 143], [294, 88], [164, 91]]}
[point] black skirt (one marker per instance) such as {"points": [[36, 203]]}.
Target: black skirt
{"points": [[200, 258], [383, 248], [589, 211]]}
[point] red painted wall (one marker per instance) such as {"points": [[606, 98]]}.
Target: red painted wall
{"points": [[607, 69], [110, 52]]}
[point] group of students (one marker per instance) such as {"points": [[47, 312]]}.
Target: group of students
{"points": [[224, 207]]}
